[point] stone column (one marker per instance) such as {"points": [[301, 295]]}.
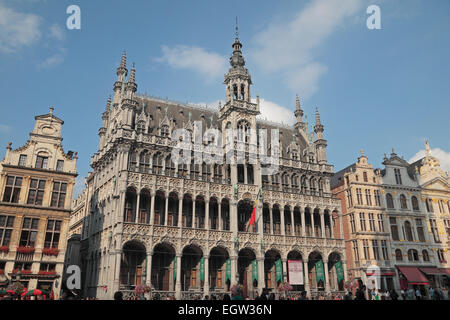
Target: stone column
{"points": [[302, 212], [322, 222], [166, 210], [220, 227], [245, 173], [233, 270], [271, 219], [180, 212], [306, 275], [178, 278], [312, 223], [137, 207], [148, 275], [327, 276], [341, 225], [206, 282], [261, 280], [117, 271], [207, 214], [292, 222], [194, 224], [283, 226], [284, 260], [331, 220], [152, 209]]}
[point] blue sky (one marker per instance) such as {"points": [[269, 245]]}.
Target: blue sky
{"points": [[375, 89]]}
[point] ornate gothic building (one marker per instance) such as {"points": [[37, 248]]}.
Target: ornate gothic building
{"points": [[183, 229]]}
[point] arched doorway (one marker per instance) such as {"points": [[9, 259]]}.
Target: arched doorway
{"points": [[276, 219], [335, 272], [163, 267], [225, 214], [144, 206], [190, 268], [172, 218], [316, 272], [273, 269], [199, 212], [297, 281], [130, 205], [132, 264], [187, 211], [245, 209], [246, 264], [213, 214], [160, 207], [219, 269]]}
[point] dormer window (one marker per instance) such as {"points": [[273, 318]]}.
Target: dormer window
{"points": [[22, 160], [60, 165], [294, 155], [41, 162], [165, 131]]}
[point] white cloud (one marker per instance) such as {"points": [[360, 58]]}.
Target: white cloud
{"points": [[57, 32], [209, 64], [53, 60], [288, 46], [17, 29], [443, 156]]}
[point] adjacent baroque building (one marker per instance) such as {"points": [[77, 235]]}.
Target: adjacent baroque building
{"points": [[36, 187], [183, 229]]}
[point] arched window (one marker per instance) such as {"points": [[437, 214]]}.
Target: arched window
{"points": [[294, 154], [294, 181], [415, 203], [144, 162], [285, 180], [398, 255], [242, 91], [413, 255], [165, 131], [389, 201], [403, 203], [425, 256], [408, 231], [170, 166], [243, 134], [133, 161], [304, 186], [157, 163]]}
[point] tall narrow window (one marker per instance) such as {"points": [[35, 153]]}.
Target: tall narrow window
{"points": [[376, 253], [36, 192], [58, 194], [389, 201], [12, 189], [384, 249], [398, 255], [420, 232], [415, 203], [23, 160], [434, 231], [394, 229], [352, 222], [52, 234], [368, 197], [377, 198], [398, 176], [371, 222], [380, 223], [366, 249], [41, 162], [359, 196], [6, 227], [144, 162], [349, 198], [29, 232], [408, 231], [362, 221], [365, 176], [403, 203], [355, 250]]}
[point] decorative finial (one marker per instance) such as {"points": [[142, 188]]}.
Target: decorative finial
{"points": [[427, 148], [237, 28], [362, 152], [9, 146], [317, 116], [297, 102], [51, 111]]}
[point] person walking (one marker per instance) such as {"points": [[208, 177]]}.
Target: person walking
{"points": [[394, 295], [418, 295], [403, 294]]}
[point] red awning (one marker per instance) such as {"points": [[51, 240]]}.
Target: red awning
{"points": [[433, 271], [446, 271], [413, 275]]}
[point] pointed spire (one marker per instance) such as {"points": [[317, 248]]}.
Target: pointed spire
{"points": [[122, 69], [108, 104], [123, 61], [237, 28], [317, 117], [132, 78]]}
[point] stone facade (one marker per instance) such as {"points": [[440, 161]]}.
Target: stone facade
{"points": [[413, 201], [36, 187], [183, 229]]}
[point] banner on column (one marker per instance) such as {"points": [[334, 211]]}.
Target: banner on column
{"points": [[339, 271], [175, 268], [278, 270], [295, 271], [320, 274], [255, 270], [202, 269], [228, 270]]}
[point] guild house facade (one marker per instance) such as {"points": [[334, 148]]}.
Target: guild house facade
{"points": [[36, 187], [184, 229], [396, 222]]}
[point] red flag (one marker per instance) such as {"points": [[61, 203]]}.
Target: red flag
{"points": [[253, 217]]}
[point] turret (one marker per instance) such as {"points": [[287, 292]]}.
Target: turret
{"points": [[320, 142]]}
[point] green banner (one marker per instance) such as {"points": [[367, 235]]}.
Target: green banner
{"points": [[255, 270], [339, 271], [278, 270], [228, 270], [202, 269], [320, 274], [175, 268]]}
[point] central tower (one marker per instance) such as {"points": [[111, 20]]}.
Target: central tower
{"points": [[237, 85]]}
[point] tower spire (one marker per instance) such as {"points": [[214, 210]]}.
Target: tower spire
{"points": [[237, 28]]}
